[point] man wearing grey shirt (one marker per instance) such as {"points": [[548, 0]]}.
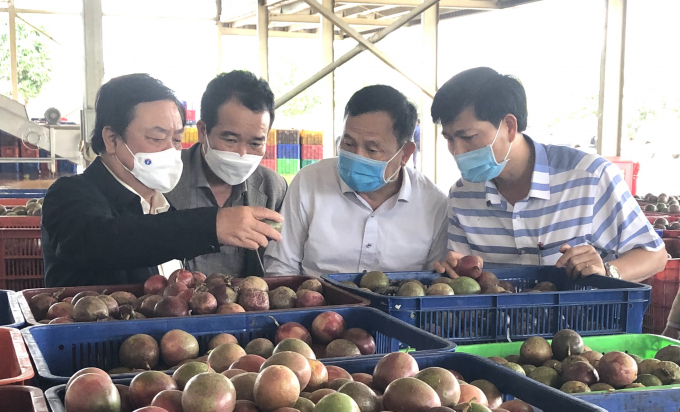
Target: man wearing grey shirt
{"points": [[223, 168], [363, 210]]}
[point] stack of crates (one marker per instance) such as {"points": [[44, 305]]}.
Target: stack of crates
{"points": [[63, 167], [288, 153], [190, 136], [312, 147], [665, 286], [29, 170], [9, 147], [269, 159]]}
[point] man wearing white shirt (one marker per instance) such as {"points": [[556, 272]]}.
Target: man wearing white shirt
{"points": [[363, 210]]}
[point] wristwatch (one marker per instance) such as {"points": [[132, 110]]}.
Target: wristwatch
{"points": [[612, 271]]}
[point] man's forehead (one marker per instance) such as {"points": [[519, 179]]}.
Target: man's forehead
{"points": [[377, 127], [464, 121]]}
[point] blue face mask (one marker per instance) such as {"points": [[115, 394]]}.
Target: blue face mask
{"points": [[362, 174], [480, 165]]}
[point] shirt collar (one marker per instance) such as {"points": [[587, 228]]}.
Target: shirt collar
{"points": [[159, 203], [404, 191], [540, 178]]}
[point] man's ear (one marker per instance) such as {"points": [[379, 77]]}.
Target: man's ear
{"points": [[202, 131], [110, 139], [511, 122], [407, 152]]}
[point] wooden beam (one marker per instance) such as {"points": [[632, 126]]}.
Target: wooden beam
{"points": [[610, 113], [353, 53], [328, 93], [365, 43], [32, 11], [14, 73], [449, 4], [316, 19], [232, 31], [263, 38]]}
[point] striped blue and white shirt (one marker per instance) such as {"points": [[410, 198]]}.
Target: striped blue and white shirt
{"points": [[575, 198]]}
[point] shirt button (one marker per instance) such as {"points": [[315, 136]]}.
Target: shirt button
{"points": [[517, 216], [368, 246]]}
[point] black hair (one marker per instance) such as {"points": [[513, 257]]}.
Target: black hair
{"points": [[491, 95], [117, 99], [252, 92], [381, 98]]}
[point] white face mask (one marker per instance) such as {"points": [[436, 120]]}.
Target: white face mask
{"points": [[158, 171], [231, 167]]}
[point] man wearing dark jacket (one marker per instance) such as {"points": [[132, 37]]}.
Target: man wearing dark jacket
{"points": [[109, 225], [223, 169]]}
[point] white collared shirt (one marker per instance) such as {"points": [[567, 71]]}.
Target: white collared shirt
{"points": [[159, 204], [329, 228]]}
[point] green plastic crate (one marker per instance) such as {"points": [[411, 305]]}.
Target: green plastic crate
{"points": [[657, 399], [645, 346], [288, 166], [308, 162]]}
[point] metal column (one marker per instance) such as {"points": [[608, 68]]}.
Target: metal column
{"points": [[94, 62], [610, 117], [428, 130], [328, 82], [13, 50], [263, 37]]}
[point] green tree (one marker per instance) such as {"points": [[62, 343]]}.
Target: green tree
{"points": [[285, 77], [33, 61]]}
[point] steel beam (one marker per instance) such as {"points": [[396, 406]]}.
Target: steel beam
{"points": [[610, 118], [263, 38], [354, 52], [364, 42]]}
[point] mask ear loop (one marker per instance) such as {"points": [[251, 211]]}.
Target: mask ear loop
{"points": [[207, 142], [134, 160], [389, 180], [496, 137]]}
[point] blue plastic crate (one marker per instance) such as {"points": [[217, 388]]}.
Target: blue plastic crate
{"points": [[22, 193], [592, 306], [59, 351], [10, 312], [288, 151], [636, 400], [511, 384]]}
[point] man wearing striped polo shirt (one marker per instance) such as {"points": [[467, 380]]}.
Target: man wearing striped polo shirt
{"points": [[522, 202]]}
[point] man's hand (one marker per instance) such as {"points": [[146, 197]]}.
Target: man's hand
{"points": [[581, 261], [447, 267], [241, 226], [671, 332]]}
